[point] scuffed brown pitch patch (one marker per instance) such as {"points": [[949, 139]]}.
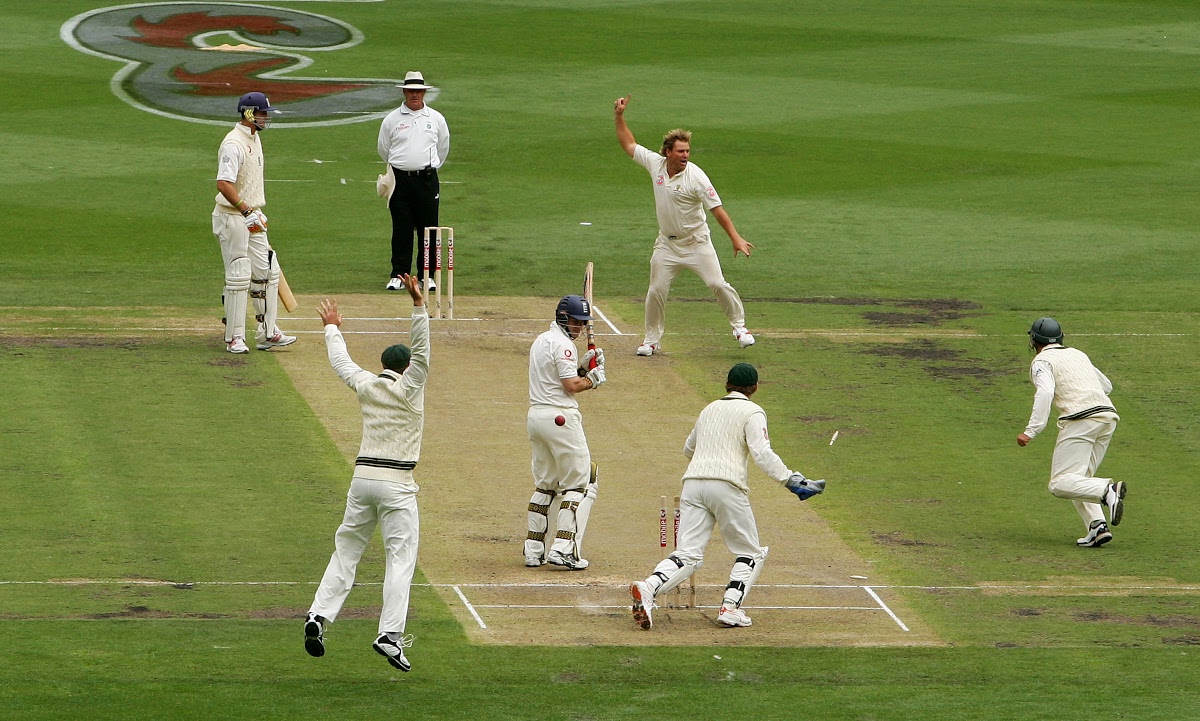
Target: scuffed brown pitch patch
{"points": [[896, 311], [896, 538], [940, 361], [25, 341]]}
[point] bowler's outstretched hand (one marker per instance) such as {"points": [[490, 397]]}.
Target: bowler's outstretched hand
{"points": [[413, 286], [328, 309]]}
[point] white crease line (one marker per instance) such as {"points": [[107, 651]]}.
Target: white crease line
{"points": [[884, 606], [626, 607], [606, 320], [469, 607]]}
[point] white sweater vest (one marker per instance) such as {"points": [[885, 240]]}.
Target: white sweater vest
{"points": [[721, 452], [1078, 391], [250, 172]]}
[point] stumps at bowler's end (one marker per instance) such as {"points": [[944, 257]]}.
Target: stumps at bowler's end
{"points": [[436, 236]]}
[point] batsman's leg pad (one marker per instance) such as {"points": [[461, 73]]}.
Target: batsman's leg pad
{"points": [[671, 572], [539, 510], [744, 574], [237, 287], [568, 519], [585, 510]]}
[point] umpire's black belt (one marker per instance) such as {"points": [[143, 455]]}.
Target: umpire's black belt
{"points": [[427, 170], [385, 463]]}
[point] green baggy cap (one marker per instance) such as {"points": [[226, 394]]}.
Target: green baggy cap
{"points": [[743, 375], [396, 357]]}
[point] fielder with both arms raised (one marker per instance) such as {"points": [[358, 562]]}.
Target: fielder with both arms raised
{"points": [[728, 433], [251, 266], [562, 463]]}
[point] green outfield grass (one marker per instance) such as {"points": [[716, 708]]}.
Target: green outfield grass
{"points": [[916, 168]]}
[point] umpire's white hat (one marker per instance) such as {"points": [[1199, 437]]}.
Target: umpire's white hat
{"points": [[413, 80]]}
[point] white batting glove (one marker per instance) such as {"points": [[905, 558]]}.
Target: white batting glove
{"points": [[256, 221], [597, 353], [596, 376]]}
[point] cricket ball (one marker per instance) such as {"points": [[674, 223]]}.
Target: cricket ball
{"points": [[560, 420]]}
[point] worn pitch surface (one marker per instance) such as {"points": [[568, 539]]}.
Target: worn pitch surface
{"points": [[475, 485]]}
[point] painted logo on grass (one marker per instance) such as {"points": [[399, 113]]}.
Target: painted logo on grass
{"points": [[192, 61]]}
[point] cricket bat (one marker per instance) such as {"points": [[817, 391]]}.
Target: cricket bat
{"points": [[587, 295], [285, 294]]}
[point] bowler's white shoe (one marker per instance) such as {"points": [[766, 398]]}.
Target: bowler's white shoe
{"points": [[1098, 535], [276, 341], [743, 337], [393, 651], [732, 617], [533, 561], [238, 345], [1115, 500], [568, 561], [394, 284], [648, 349], [643, 603]]}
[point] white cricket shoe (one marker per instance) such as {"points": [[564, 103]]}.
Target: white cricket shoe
{"points": [[1115, 500], [394, 284], [743, 337], [432, 285], [568, 561], [533, 561], [1098, 535], [643, 603], [238, 345], [393, 651], [276, 341], [648, 349], [732, 617], [314, 635]]}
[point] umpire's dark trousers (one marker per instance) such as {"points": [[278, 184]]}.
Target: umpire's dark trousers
{"points": [[414, 207]]}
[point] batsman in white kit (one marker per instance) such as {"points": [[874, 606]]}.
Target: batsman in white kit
{"points": [[251, 266], [1066, 378], [682, 194], [562, 464], [728, 433], [383, 491]]}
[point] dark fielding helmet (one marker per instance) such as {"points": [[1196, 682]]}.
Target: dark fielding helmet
{"points": [[1045, 331], [572, 306]]}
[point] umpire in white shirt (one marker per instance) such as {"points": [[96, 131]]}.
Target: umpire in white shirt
{"points": [[1086, 423], [383, 491], [414, 141]]}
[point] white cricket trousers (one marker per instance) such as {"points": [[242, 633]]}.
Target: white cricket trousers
{"points": [[699, 257], [238, 243], [1077, 455], [561, 462], [705, 505], [393, 507]]}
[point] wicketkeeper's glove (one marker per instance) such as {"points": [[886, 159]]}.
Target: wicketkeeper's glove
{"points": [[596, 376], [804, 488]]}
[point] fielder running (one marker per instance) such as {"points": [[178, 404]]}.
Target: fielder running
{"points": [[562, 464], [728, 433], [251, 266], [1086, 423], [682, 192], [383, 491]]}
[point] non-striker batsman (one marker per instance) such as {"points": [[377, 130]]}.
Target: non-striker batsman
{"points": [[251, 268]]}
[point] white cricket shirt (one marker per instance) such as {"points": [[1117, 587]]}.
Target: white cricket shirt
{"points": [[240, 161], [552, 357], [680, 201], [414, 139]]}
